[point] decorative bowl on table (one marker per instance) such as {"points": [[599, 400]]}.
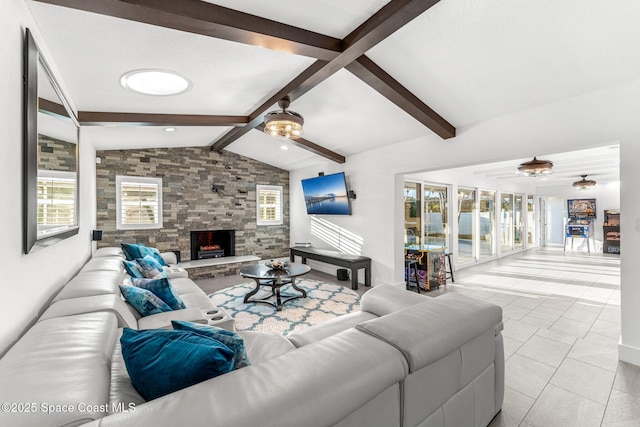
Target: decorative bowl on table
{"points": [[276, 264]]}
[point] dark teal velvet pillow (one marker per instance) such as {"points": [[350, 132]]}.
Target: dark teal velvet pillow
{"points": [[161, 288], [152, 252], [161, 361], [151, 268], [132, 268], [131, 251], [228, 338], [144, 301]]}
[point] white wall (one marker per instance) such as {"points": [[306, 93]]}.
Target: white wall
{"points": [[607, 197], [556, 213], [595, 119], [29, 281]]}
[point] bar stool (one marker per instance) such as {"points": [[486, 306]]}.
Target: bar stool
{"points": [[449, 268], [410, 282]]}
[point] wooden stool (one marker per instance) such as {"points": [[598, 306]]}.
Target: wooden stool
{"points": [[408, 265], [449, 268]]}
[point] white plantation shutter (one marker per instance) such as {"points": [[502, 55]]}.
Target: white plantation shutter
{"points": [[269, 204], [56, 199], [138, 202]]}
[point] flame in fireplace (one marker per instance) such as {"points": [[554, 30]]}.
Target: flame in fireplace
{"points": [[210, 248]]}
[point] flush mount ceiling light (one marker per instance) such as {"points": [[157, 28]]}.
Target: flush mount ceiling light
{"points": [[284, 123], [535, 167], [584, 183], [154, 82]]}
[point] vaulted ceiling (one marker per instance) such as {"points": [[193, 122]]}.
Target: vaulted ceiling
{"points": [[363, 73]]}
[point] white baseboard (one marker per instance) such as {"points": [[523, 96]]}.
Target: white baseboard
{"points": [[629, 354]]}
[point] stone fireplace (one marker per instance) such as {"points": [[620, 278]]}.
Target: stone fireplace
{"points": [[212, 244]]}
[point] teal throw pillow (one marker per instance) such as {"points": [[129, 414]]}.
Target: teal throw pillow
{"points": [[131, 251], [151, 268], [132, 268], [153, 252], [145, 302], [228, 338], [161, 361], [162, 288]]}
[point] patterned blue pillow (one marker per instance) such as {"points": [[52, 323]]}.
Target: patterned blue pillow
{"points": [[153, 252], [162, 289], [132, 268], [144, 301], [228, 338], [131, 251], [151, 269], [161, 361]]}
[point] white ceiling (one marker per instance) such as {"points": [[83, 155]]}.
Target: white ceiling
{"points": [[469, 60], [601, 164]]}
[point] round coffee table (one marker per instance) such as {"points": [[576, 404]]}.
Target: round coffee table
{"points": [[275, 279]]}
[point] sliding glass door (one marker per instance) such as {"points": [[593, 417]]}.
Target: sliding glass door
{"points": [[466, 225], [436, 209], [506, 222], [412, 213], [518, 222], [531, 221], [487, 223]]}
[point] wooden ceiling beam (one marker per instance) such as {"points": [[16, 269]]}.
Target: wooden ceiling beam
{"points": [[208, 19], [370, 73], [50, 107], [199, 17], [257, 116], [95, 118], [393, 16], [310, 146]]}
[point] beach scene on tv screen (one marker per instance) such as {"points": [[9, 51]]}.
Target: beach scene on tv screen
{"points": [[326, 195]]}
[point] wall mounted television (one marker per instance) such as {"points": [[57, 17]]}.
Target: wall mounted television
{"points": [[326, 195]]}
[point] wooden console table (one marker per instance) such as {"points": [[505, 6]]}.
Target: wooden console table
{"points": [[352, 262]]}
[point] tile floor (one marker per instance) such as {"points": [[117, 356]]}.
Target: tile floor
{"points": [[561, 327]]}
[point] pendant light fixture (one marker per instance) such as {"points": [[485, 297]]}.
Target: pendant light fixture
{"points": [[584, 183], [284, 123], [535, 167]]}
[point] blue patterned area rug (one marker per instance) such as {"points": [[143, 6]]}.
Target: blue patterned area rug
{"points": [[324, 301]]}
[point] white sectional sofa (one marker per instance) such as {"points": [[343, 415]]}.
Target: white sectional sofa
{"points": [[404, 360]]}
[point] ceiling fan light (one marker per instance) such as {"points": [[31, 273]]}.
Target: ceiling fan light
{"points": [[584, 184], [535, 168], [283, 123]]}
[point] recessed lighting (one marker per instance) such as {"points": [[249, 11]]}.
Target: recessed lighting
{"points": [[154, 82], [284, 147], [169, 129]]}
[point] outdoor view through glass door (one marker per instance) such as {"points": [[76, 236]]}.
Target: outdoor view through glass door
{"points": [[436, 208], [518, 222], [531, 224], [487, 208], [466, 225], [412, 213], [506, 222]]}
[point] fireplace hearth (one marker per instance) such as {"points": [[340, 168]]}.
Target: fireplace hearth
{"points": [[212, 244]]}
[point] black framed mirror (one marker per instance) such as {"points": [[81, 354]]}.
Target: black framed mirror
{"points": [[51, 173]]}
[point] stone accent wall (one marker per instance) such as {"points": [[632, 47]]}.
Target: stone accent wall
{"points": [[56, 155], [202, 190]]}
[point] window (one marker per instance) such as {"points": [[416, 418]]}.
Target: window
{"points": [[56, 200], [138, 202], [269, 204]]}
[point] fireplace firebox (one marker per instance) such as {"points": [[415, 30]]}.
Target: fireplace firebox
{"points": [[212, 244]]}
